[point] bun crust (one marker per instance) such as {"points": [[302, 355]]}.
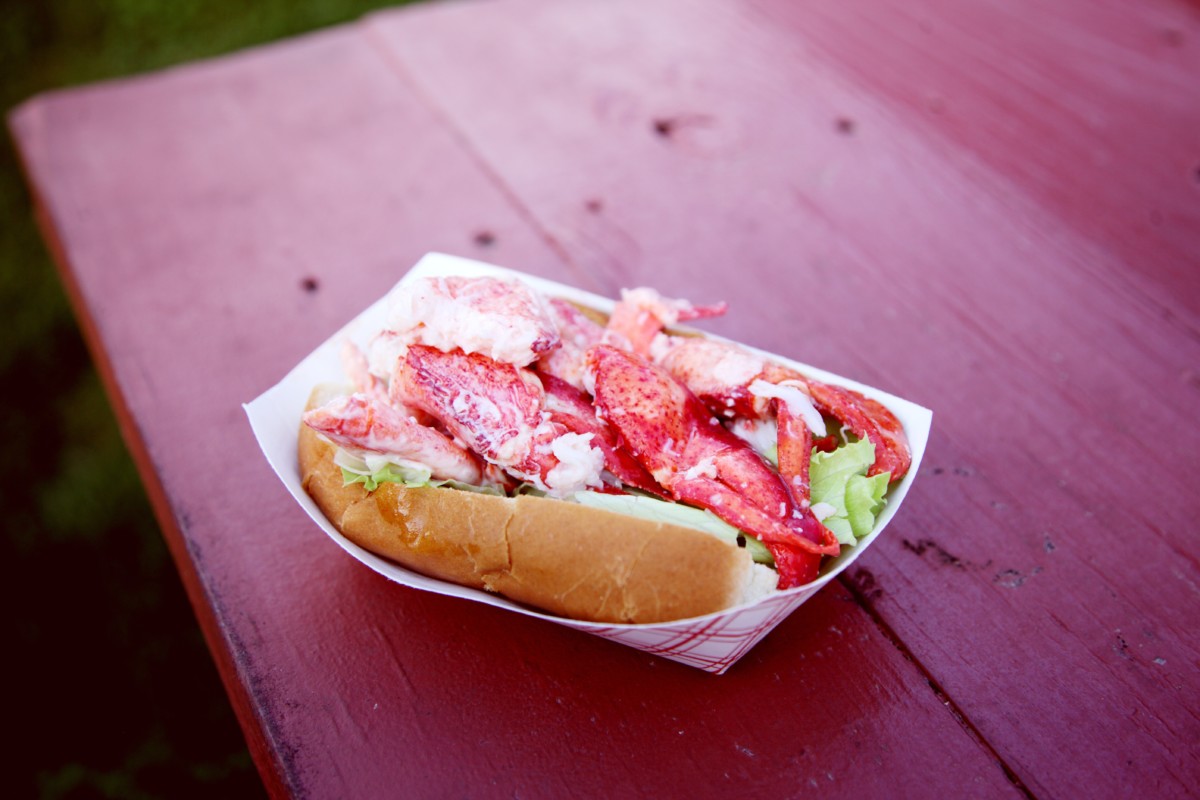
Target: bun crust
{"points": [[570, 560]]}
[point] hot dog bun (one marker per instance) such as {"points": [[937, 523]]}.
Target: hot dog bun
{"points": [[561, 557]]}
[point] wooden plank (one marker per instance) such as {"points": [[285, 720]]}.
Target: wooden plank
{"points": [[1108, 90], [215, 222], [966, 254], [165, 194]]}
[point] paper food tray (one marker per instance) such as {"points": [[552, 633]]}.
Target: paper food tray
{"points": [[713, 642]]}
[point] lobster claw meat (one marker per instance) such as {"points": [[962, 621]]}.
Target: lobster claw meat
{"points": [[497, 410], [686, 449]]}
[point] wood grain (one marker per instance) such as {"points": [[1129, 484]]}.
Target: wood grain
{"points": [[215, 222], [994, 217]]}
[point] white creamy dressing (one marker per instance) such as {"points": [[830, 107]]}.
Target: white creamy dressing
{"points": [[823, 510], [589, 381], [761, 435], [737, 367], [476, 405], [705, 467], [660, 345], [797, 402], [579, 464], [382, 354]]}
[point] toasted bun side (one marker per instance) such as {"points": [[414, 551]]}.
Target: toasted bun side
{"points": [[591, 564], [567, 559]]}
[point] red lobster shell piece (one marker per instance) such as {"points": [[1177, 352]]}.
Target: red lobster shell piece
{"points": [[688, 451], [497, 410]]}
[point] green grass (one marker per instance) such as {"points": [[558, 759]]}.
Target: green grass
{"points": [[115, 693]]}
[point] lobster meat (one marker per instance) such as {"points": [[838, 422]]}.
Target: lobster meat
{"points": [[485, 381], [700, 462]]}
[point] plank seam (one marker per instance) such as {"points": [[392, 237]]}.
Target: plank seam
{"points": [[940, 693]]}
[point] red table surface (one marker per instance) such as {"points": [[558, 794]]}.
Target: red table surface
{"points": [[992, 209]]}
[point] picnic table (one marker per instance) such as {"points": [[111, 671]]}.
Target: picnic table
{"points": [[991, 209]]}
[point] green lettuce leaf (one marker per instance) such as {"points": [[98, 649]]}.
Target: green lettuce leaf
{"points": [[839, 479], [411, 475], [469, 487], [389, 473]]}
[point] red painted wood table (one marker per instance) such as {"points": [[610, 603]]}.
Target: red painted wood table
{"points": [[992, 209]]}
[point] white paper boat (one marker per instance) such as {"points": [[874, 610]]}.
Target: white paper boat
{"points": [[713, 642]]}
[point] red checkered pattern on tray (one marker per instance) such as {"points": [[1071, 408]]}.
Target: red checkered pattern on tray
{"points": [[713, 643]]}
